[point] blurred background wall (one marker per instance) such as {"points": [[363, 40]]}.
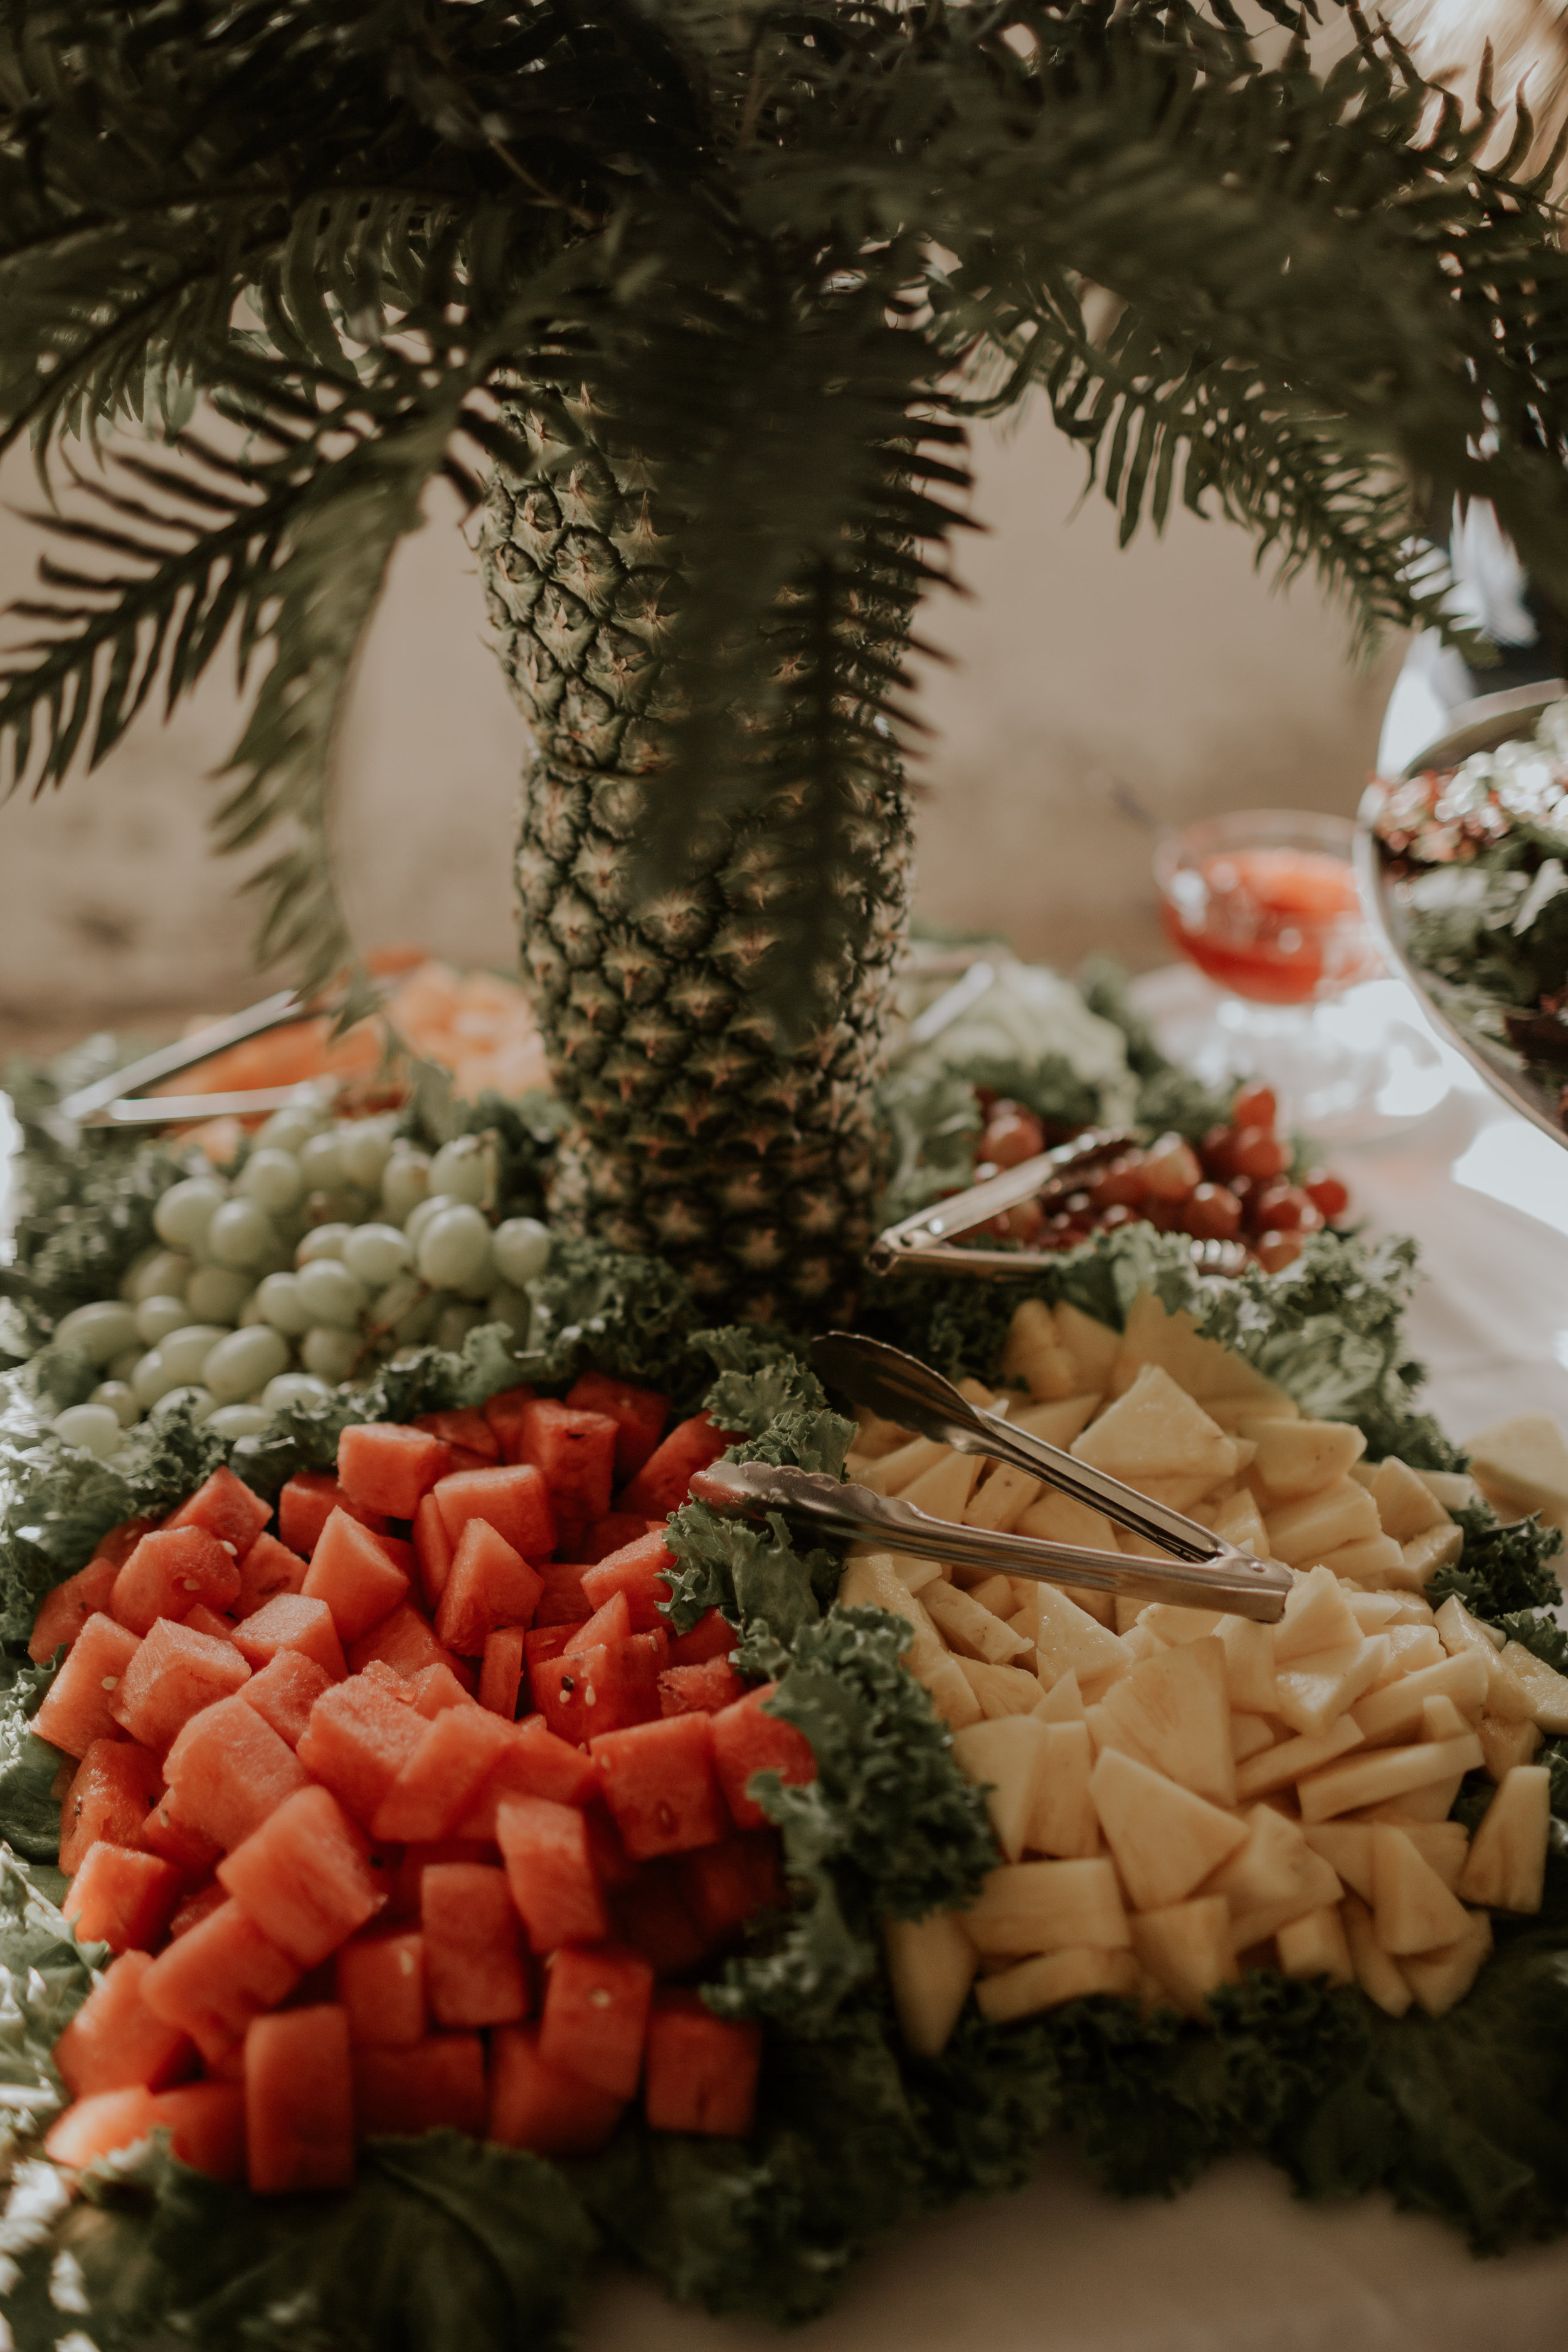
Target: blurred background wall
{"points": [[1084, 679]]}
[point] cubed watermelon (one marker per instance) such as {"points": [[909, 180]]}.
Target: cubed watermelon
{"points": [[613, 1532], [602, 1689], [78, 1705], [639, 1415], [358, 1741], [405, 1640], [641, 1570], [576, 1453], [550, 1871], [702, 2069], [268, 1568], [438, 1687], [308, 1502], [700, 1690], [610, 1623], [651, 1916], [228, 1769], [108, 1797], [352, 1571], [167, 1831], [390, 1465], [205, 2124], [541, 1644], [285, 1691], [503, 1413], [228, 1508], [176, 1673], [298, 2102], [514, 1500], [304, 1877], [115, 2042], [292, 1620], [501, 1671], [380, 1979], [713, 1636], [457, 1752], [63, 1612], [595, 2013], [465, 1427], [203, 1620], [437, 2086], [413, 1861], [168, 1572], [613, 1863], [659, 1487], [533, 1763], [541, 2107], [747, 1739], [98, 2127], [490, 1584], [725, 1886], [474, 1973], [660, 1784], [198, 1905], [562, 1600], [433, 1551], [122, 1897]]}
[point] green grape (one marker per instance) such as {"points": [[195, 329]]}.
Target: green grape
{"points": [[404, 1182], [522, 1247], [94, 1427], [123, 1368], [405, 1309], [278, 1302], [322, 1241], [420, 1217], [294, 1389], [289, 1129], [184, 1352], [365, 1147], [156, 1318], [198, 1401], [233, 1421], [466, 1169], [454, 1247], [243, 1361], [186, 1210], [100, 1331], [120, 1399], [331, 1294], [151, 1379], [330, 1354], [217, 1294], [320, 1163], [272, 1180], [161, 1274], [241, 1235], [376, 1254]]}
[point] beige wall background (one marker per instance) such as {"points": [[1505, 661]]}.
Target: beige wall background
{"points": [[1081, 676]]}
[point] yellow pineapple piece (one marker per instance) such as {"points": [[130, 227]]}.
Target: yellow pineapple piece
{"points": [[945, 1489], [1433, 1801], [1064, 1822], [1055, 1518], [1318, 1616], [1379, 1978], [1304, 1531], [1063, 1702], [1411, 1650], [1441, 1720], [931, 1967], [1250, 1735], [1034, 1352], [1394, 1711], [1039, 1984], [1240, 1522], [1460, 1632], [995, 1593], [876, 1437], [1001, 1690], [973, 1630], [1278, 1767], [1387, 1772], [1506, 1745], [1376, 1613], [1315, 1946], [1440, 1978], [1301, 1457], [1066, 1637], [1154, 1432], [1317, 1888], [1249, 1674], [1544, 1688], [1002, 1500], [1093, 1347], [1444, 1845], [1044, 1906], [893, 1471], [1274, 1878], [1059, 1423], [1172, 1711], [1007, 1757], [1525, 1459], [1176, 1626], [1346, 1847], [872, 1581], [1506, 1866], [1424, 1555], [1413, 1910], [1375, 1559], [1165, 1839], [1188, 1948], [1314, 1691], [1405, 1504], [950, 1692], [913, 1574]]}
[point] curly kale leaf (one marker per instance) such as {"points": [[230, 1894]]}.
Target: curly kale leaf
{"points": [[45, 1976], [1504, 1569], [932, 1121], [30, 1809], [631, 1315]]}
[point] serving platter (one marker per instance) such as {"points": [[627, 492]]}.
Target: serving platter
{"points": [[1479, 726]]}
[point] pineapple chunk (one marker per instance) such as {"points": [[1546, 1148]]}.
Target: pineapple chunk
{"points": [[1093, 1347], [1441, 1720], [1440, 1978], [1165, 1839], [1394, 1712], [1454, 1489], [913, 1574], [875, 1437], [995, 1593], [1058, 1424], [1431, 1803], [1444, 1845], [944, 1489], [1172, 1712], [1277, 1766], [1314, 1691], [1155, 1432], [973, 1630], [1346, 1847], [1001, 1690], [1318, 1616], [1249, 1677], [1067, 1638], [1315, 1946], [931, 1966], [1072, 1974], [1526, 1460], [1544, 1688], [1424, 1555], [1179, 1626], [1379, 1978], [1405, 1504], [1301, 1457], [1268, 1868], [1002, 1501], [1063, 1703], [1459, 1631], [1034, 1352], [1317, 1888], [1375, 1612], [1101, 1606], [950, 1694], [1240, 1522], [1055, 1518], [1007, 1757], [1186, 1948], [872, 1581], [1506, 1745], [1387, 1773], [1064, 1822], [1200, 1366], [1506, 1866], [1304, 1531], [1044, 1906], [1413, 1909], [1375, 1559], [893, 1471], [1250, 1735], [1411, 1650]]}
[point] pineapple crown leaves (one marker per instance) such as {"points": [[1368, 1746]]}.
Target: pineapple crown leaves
{"points": [[777, 257]]}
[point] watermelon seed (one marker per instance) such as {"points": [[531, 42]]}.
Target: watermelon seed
{"points": [[590, 1697], [567, 1684], [192, 1583], [111, 1682], [598, 1998]]}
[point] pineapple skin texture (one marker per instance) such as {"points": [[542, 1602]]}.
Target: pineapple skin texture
{"points": [[752, 1170]]}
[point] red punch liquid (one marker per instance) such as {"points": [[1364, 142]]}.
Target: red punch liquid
{"points": [[1278, 926]]}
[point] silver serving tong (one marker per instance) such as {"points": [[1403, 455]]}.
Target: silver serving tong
{"points": [[117, 1101], [902, 1389]]}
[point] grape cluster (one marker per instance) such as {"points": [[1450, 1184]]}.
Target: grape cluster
{"points": [[333, 1246], [1232, 1186]]}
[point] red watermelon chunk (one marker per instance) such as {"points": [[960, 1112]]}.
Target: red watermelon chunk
{"points": [[457, 1752], [611, 1622], [169, 1571], [713, 1636], [78, 1705], [167, 1831], [390, 1465], [205, 2124], [433, 1551], [115, 2042], [474, 1973], [381, 1983], [640, 1571], [660, 1784], [414, 1860], [268, 1568], [465, 1427], [601, 1689], [292, 1620], [308, 1502], [514, 1500], [226, 1508], [304, 1877], [298, 2102], [501, 1671], [576, 1453], [659, 1487], [435, 1688], [562, 1600], [596, 2014], [217, 1978], [63, 1612], [651, 1916], [700, 1690], [437, 2086], [359, 1740], [503, 1413], [98, 2127], [551, 1873], [203, 1620], [122, 1897], [228, 1769], [702, 2070], [613, 1532], [490, 1584], [541, 2107], [747, 1739], [108, 1797], [541, 1644], [352, 1571], [285, 1691], [724, 1886], [533, 1763], [639, 1415], [199, 1904], [404, 1641], [176, 1673]]}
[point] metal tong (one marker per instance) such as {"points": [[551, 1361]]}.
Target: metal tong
{"points": [[115, 1101], [1207, 1573]]}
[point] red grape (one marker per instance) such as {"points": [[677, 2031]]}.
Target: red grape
{"points": [[1328, 1196], [1011, 1134], [1171, 1169], [1119, 1213], [1274, 1251], [1213, 1215], [1279, 1208], [1254, 1107], [1259, 1152], [1123, 1185], [1218, 1152]]}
